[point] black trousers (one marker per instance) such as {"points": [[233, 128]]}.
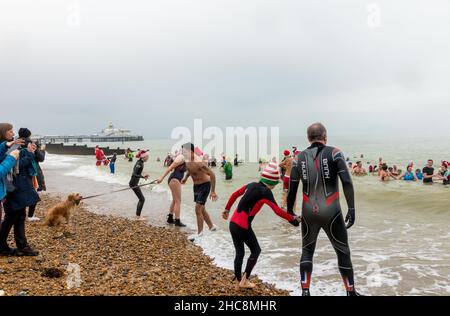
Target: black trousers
{"points": [[41, 180], [31, 210], [243, 237], [16, 219], [141, 202]]}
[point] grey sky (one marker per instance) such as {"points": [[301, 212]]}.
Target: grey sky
{"points": [[154, 65]]}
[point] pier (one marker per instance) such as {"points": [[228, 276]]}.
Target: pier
{"points": [[49, 139]]}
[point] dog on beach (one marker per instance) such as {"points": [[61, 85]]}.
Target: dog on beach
{"points": [[62, 210]]}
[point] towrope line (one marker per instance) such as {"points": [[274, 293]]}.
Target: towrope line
{"points": [[116, 191]]}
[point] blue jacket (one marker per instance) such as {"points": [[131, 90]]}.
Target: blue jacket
{"points": [[25, 195], [6, 164]]}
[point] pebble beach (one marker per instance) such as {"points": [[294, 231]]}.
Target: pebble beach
{"points": [[98, 255]]}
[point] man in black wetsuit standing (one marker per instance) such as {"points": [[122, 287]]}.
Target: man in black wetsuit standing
{"points": [[318, 168]]}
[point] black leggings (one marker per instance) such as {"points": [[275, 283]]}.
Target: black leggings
{"points": [[14, 218], [240, 237], [31, 210], [141, 202]]}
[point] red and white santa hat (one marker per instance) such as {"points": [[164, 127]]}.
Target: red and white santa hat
{"points": [[270, 174]]}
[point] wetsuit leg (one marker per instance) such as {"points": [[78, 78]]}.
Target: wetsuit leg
{"points": [[310, 234], [337, 234], [240, 237], [141, 202], [238, 241], [252, 243]]}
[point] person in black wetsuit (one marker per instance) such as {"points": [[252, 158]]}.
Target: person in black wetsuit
{"points": [[136, 177], [255, 195], [319, 167]]}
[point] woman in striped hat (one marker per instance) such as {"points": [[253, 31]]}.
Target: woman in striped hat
{"points": [[255, 195]]}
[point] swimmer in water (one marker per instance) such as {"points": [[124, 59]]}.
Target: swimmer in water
{"points": [[408, 175], [319, 168], [359, 170], [385, 174], [395, 171], [260, 165]]}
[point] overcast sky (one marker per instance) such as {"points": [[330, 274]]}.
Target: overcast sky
{"points": [[153, 65]]}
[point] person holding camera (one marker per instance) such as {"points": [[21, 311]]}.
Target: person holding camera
{"points": [[20, 195], [40, 158], [38, 180]]}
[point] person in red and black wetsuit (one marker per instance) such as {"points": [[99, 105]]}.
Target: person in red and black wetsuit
{"points": [[255, 195], [319, 168]]}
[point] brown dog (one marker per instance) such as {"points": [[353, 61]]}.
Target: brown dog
{"points": [[62, 210]]}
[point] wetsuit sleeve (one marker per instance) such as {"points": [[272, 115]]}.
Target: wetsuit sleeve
{"points": [[235, 196], [346, 179], [293, 186], [137, 171], [270, 201]]}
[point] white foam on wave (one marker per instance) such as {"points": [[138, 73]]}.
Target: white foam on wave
{"points": [[159, 189], [59, 161], [97, 174]]}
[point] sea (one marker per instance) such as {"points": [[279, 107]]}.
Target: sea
{"points": [[400, 243]]}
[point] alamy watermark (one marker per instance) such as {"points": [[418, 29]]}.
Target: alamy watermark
{"points": [[373, 15], [250, 143], [73, 17]]}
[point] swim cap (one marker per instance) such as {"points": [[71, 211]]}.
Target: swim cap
{"points": [[142, 154], [270, 175], [198, 152]]}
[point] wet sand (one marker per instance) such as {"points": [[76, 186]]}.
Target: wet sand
{"points": [[106, 255]]}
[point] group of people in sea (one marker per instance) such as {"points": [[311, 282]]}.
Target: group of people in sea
{"points": [[428, 174], [319, 167], [21, 181]]}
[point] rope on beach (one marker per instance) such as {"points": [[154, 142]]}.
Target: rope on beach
{"points": [[121, 190]]}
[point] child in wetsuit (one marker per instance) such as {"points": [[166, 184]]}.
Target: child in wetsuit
{"points": [[255, 195]]}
